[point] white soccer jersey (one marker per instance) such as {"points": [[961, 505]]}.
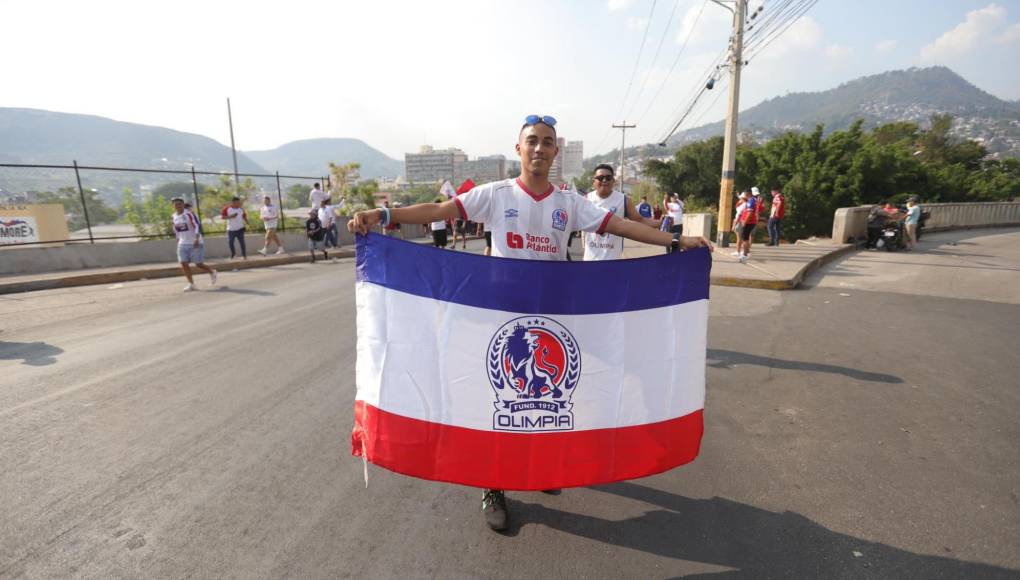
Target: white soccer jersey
{"points": [[316, 197], [605, 246], [528, 225], [186, 228], [269, 216]]}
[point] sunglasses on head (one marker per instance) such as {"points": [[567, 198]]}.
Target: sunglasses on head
{"points": [[603, 178], [536, 119]]}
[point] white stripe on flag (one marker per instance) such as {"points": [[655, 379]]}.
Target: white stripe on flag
{"points": [[425, 359]]}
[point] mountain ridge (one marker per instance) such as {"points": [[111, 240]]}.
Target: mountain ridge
{"points": [[913, 94], [308, 155]]}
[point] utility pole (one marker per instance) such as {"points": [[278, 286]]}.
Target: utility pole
{"points": [[230, 119], [623, 147], [729, 163]]}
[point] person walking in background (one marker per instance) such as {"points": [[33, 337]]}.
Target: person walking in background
{"points": [[190, 243], [737, 227], [460, 229], [644, 208], [675, 208], [270, 215], [438, 227], [314, 232], [748, 220], [758, 204], [316, 196], [911, 222], [327, 218], [776, 214], [237, 219]]}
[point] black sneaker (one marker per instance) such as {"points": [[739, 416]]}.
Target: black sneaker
{"points": [[494, 509]]}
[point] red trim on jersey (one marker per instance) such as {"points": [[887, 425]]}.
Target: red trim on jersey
{"points": [[534, 195], [460, 208], [605, 222]]}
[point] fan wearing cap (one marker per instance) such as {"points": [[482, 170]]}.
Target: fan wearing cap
{"points": [[190, 243], [529, 219]]}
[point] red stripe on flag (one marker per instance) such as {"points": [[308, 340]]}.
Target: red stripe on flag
{"points": [[521, 461]]}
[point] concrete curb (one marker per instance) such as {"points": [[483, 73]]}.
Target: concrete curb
{"points": [[74, 280], [787, 283]]}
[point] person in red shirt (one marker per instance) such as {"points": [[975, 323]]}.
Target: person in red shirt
{"points": [[776, 215], [748, 220]]}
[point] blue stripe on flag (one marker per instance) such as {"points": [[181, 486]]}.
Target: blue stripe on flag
{"points": [[532, 286]]}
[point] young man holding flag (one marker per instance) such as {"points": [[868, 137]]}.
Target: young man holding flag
{"points": [[529, 219]]}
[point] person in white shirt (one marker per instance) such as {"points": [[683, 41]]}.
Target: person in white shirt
{"points": [[529, 218], [270, 215], [737, 226], [237, 219], [674, 207], [327, 215], [608, 246], [316, 196], [190, 243], [438, 227]]}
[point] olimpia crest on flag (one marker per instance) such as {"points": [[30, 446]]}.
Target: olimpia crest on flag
{"points": [[534, 365]]}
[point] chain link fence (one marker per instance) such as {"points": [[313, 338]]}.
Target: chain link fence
{"points": [[51, 204]]}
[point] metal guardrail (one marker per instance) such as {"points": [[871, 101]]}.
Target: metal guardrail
{"points": [[193, 173]]}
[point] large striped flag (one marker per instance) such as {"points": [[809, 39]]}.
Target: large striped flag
{"points": [[527, 375]]}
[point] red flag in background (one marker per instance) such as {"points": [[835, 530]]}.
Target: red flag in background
{"points": [[465, 187]]}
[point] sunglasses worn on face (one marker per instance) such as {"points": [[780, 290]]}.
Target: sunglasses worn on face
{"points": [[536, 119], [603, 178]]}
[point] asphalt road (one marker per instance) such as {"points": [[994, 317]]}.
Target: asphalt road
{"points": [[854, 429]]}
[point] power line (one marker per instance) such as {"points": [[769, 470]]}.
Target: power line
{"points": [[779, 27], [779, 19], [655, 57], [699, 90], [637, 62], [675, 61]]}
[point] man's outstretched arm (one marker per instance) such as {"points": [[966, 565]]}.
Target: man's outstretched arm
{"points": [[421, 213], [642, 233]]}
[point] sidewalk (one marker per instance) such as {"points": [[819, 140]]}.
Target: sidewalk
{"points": [[777, 268], [781, 268]]}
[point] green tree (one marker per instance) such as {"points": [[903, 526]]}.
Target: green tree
{"points": [[294, 196], [151, 217], [184, 189], [583, 181], [342, 179], [69, 197]]}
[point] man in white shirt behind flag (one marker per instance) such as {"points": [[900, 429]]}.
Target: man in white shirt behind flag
{"points": [[530, 219], [608, 246]]}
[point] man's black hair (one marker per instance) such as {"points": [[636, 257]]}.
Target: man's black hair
{"points": [[605, 166], [235, 199], [526, 125], [316, 185]]}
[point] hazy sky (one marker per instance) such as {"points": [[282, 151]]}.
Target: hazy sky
{"points": [[464, 74]]}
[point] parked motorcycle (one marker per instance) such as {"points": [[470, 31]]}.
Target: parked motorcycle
{"points": [[891, 237]]}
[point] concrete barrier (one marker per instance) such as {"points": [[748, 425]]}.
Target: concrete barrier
{"points": [[852, 222], [80, 255], [698, 224]]}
